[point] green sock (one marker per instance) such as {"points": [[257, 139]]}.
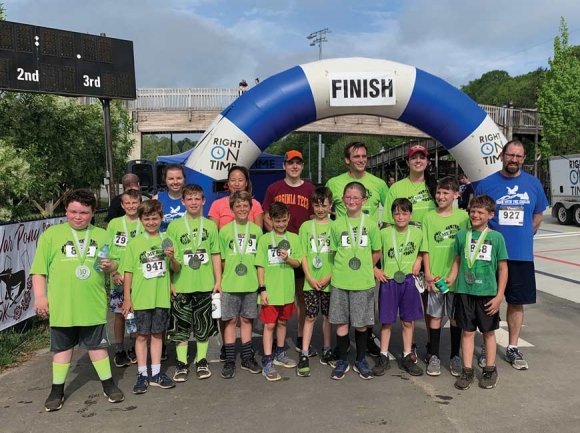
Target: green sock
{"points": [[59, 372], [182, 353], [103, 368], [202, 347]]}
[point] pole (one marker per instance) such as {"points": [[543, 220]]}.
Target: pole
{"points": [[309, 159], [109, 147], [536, 144], [320, 159]]}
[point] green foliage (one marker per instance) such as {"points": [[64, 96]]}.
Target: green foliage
{"points": [[18, 343], [153, 146], [15, 179]]}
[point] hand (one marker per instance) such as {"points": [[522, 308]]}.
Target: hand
{"points": [[380, 275], [169, 252], [324, 281], [118, 279], [217, 288], [173, 292], [284, 254], [106, 265], [313, 283], [429, 284], [41, 306], [492, 307], [265, 299], [416, 269], [127, 307]]}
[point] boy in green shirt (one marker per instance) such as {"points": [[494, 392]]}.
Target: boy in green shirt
{"points": [[238, 247], [278, 255], [146, 283], [480, 255], [440, 227], [122, 230], [65, 280], [197, 250], [317, 260]]}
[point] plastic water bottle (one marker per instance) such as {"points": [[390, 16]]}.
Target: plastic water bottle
{"points": [[216, 306], [130, 323], [103, 253]]}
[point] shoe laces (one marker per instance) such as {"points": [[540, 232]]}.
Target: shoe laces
{"points": [[202, 363], [514, 351]]}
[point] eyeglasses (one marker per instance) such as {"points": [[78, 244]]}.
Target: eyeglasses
{"points": [[514, 156]]}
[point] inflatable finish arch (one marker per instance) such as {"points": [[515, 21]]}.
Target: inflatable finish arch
{"points": [[335, 87]]}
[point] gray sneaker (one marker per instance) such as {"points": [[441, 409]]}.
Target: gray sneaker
{"points": [[464, 381], [283, 360], [516, 358], [270, 373], [489, 378], [456, 366], [434, 366], [481, 360]]}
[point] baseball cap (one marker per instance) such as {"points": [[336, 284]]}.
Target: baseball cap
{"points": [[416, 148], [291, 154]]}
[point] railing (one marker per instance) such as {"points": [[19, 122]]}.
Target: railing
{"points": [[516, 117]]}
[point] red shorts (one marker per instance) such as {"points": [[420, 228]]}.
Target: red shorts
{"points": [[271, 313]]}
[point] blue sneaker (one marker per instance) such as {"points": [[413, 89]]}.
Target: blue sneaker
{"points": [[141, 385], [282, 359], [270, 373], [363, 369], [340, 370], [162, 381]]}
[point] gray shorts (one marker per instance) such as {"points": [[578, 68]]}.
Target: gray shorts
{"points": [[239, 305], [152, 321], [92, 337], [356, 307], [440, 305]]}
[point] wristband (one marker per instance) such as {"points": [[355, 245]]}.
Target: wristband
{"points": [[261, 288]]}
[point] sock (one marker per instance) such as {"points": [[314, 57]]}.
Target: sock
{"points": [[247, 351], [155, 369], [59, 372], [325, 350], [385, 353], [511, 347], [182, 353], [103, 368], [119, 347], [278, 350], [142, 370], [406, 353], [305, 353], [132, 341], [266, 359], [455, 340], [342, 344], [435, 337], [370, 335], [230, 352], [360, 339]]}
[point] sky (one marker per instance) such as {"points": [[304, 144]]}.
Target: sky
{"points": [[216, 43]]}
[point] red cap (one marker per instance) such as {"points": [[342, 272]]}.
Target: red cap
{"points": [[416, 148], [291, 154]]}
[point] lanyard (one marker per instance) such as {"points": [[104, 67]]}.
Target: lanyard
{"points": [[471, 255], [81, 250], [244, 241], [274, 245], [315, 246], [127, 231], [396, 247], [354, 241], [199, 233]]}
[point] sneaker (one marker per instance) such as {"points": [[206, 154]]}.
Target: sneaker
{"points": [[372, 348], [132, 355], [455, 366], [112, 392], [141, 385], [516, 358], [55, 398], [427, 351], [251, 365], [121, 359], [181, 372], [164, 353], [363, 369], [326, 357], [340, 370], [229, 370], [283, 360], [223, 354], [332, 362], [162, 381], [303, 368], [489, 378], [311, 350], [481, 360], [270, 373], [409, 364], [382, 364], [202, 370], [434, 366], [466, 379]]}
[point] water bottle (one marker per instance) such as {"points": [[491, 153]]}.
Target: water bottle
{"points": [[441, 285], [102, 254], [216, 306], [130, 323]]}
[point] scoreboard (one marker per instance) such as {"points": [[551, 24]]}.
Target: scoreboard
{"points": [[45, 60]]}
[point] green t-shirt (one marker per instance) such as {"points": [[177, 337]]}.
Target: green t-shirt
{"points": [[120, 238], [278, 275], [439, 234], [189, 280], [485, 267], [343, 277], [71, 301], [231, 282], [144, 259], [407, 254], [417, 193], [377, 191], [322, 247]]}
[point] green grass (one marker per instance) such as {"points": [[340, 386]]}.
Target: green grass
{"points": [[17, 346]]}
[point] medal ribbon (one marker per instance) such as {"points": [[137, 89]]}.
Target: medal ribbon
{"points": [[316, 245], [190, 233], [471, 255], [244, 241], [396, 247], [127, 231], [81, 251], [354, 242]]}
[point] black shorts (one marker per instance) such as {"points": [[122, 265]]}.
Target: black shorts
{"points": [[92, 337], [521, 283], [470, 313], [153, 321]]}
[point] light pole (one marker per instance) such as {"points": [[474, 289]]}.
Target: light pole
{"points": [[317, 37]]}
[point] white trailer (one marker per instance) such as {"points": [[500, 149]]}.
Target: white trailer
{"points": [[565, 188]]}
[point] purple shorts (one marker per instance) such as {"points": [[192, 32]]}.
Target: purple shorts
{"points": [[403, 298]]}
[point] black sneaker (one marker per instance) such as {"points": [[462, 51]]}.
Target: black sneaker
{"points": [[132, 355], [141, 385], [464, 381], [121, 359], [382, 364], [202, 370], [112, 392], [311, 350], [409, 364], [164, 353], [251, 365], [223, 354], [229, 370], [55, 398], [303, 367], [181, 372], [372, 348], [326, 357], [162, 381], [489, 378]]}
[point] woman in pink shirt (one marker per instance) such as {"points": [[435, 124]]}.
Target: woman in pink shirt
{"points": [[238, 180]]}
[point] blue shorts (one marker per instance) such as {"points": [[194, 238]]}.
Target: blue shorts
{"points": [[521, 283]]}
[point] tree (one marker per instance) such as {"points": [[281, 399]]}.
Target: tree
{"points": [[559, 99]]}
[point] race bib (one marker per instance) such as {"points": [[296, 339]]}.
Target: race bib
{"points": [[362, 243], [322, 247], [274, 257], [153, 269], [251, 245], [511, 216], [485, 251], [121, 239], [201, 254], [71, 251]]}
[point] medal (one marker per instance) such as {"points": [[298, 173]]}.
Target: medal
{"points": [[82, 272], [166, 243], [194, 262], [470, 277], [354, 263], [241, 270], [317, 262], [471, 255], [400, 277], [284, 245]]}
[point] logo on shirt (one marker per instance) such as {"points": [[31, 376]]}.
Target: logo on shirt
{"points": [[409, 250], [186, 238], [174, 213], [449, 233], [514, 197], [420, 196], [151, 256]]}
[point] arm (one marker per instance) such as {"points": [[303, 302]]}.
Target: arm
{"points": [[454, 271], [40, 299], [313, 283], [417, 264], [264, 295], [492, 307], [216, 261], [427, 269], [292, 262], [174, 265], [127, 304], [537, 221]]}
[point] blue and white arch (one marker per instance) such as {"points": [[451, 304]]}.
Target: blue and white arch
{"points": [[327, 88]]}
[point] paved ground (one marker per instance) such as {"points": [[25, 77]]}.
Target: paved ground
{"points": [[545, 398]]}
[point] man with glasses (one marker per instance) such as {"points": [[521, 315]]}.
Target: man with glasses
{"points": [[520, 202]]}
